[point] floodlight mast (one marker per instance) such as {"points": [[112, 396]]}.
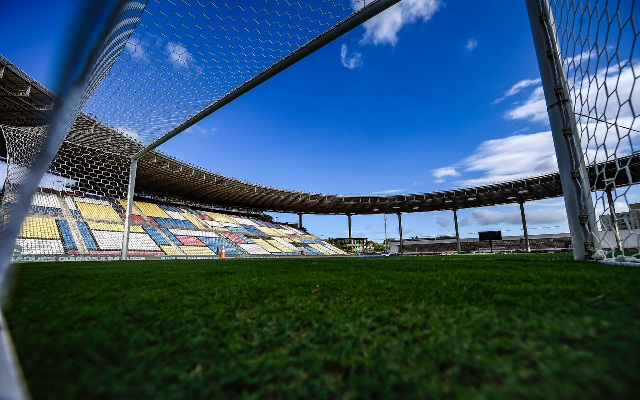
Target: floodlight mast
{"points": [[571, 165], [353, 21]]}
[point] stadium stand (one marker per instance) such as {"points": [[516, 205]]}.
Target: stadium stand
{"points": [[75, 223], [45, 203]]}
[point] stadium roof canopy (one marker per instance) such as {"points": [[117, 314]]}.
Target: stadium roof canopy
{"points": [[25, 102]]}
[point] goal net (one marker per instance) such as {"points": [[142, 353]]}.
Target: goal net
{"points": [[599, 43]]}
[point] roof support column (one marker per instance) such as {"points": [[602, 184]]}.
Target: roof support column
{"points": [[300, 220], [400, 249], [455, 221], [614, 217], [349, 222], [524, 228]]}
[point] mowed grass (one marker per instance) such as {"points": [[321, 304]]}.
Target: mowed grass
{"points": [[513, 326]]}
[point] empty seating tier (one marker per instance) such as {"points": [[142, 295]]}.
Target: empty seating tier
{"points": [[85, 224]]}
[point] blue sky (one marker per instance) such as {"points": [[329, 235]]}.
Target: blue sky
{"points": [[431, 95]]}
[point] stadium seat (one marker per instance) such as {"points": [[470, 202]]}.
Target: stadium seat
{"points": [[203, 216], [174, 223], [253, 248], [215, 244], [45, 200], [171, 251], [86, 235], [40, 228], [112, 240], [97, 212], [192, 232], [157, 237], [253, 230], [286, 244], [40, 246], [320, 249], [246, 239], [238, 230], [213, 223], [151, 210], [171, 237], [190, 241], [155, 230], [197, 251], [268, 247], [134, 210], [197, 222], [67, 236], [281, 247], [135, 219], [220, 217], [234, 238]]}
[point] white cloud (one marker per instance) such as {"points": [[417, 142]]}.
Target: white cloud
{"points": [[200, 130], [490, 217], [534, 108], [129, 47], [182, 59], [522, 155], [550, 203], [352, 60], [178, 54], [471, 44], [130, 133], [443, 222], [607, 95], [510, 158], [384, 27], [417, 183], [444, 172], [515, 89], [390, 191], [466, 222], [575, 61]]}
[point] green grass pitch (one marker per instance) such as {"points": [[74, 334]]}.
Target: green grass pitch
{"points": [[513, 326]]}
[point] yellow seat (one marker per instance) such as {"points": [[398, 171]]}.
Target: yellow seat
{"points": [[40, 228], [266, 246], [320, 249], [279, 246], [170, 250], [151, 210], [196, 221], [197, 251], [219, 217], [95, 212], [134, 210], [103, 226]]}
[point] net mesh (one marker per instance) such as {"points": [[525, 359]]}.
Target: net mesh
{"points": [[191, 53], [31, 143], [599, 45], [162, 63]]}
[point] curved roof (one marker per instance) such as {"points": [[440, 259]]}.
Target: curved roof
{"points": [[24, 102]]}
